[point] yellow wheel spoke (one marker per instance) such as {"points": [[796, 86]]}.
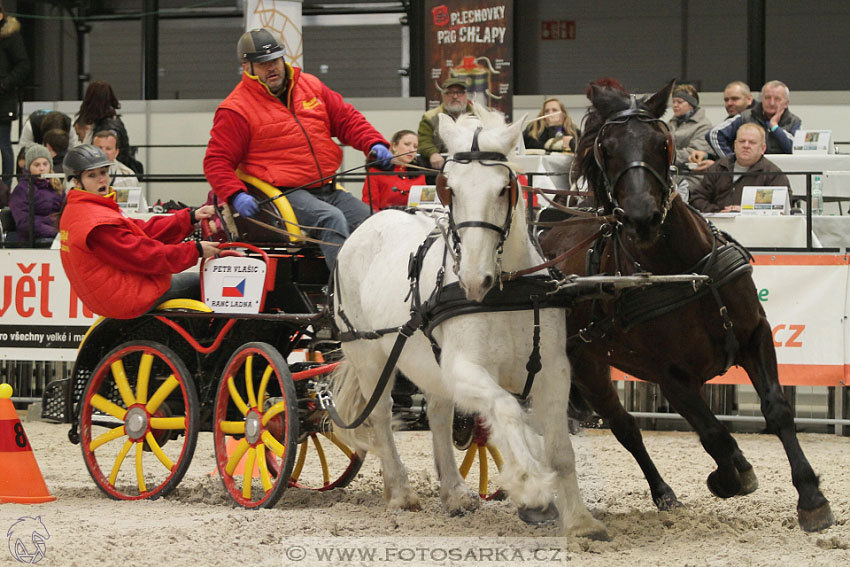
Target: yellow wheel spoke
{"points": [[168, 422], [468, 459], [232, 427], [249, 381], [110, 435], [273, 444], [118, 461], [483, 470], [276, 409], [140, 473], [261, 393], [299, 462], [157, 450], [104, 405], [497, 456], [320, 451], [237, 455], [234, 395], [144, 377], [248, 474], [265, 477], [161, 394], [342, 446], [123, 384]]}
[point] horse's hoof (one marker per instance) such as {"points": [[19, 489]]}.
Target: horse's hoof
{"points": [[749, 482], [461, 502], [716, 487], [667, 502], [538, 516], [595, 533], [816, 520]]}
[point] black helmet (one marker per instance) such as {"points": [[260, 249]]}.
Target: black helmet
{"points": [[82, 158], [258, 46]]}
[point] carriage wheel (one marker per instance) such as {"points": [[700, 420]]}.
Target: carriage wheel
{"points": [[139, 402], [323, 456], [256, 404], [324, 462], [478, 447]]}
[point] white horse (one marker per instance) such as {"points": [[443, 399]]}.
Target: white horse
{"points": [[483, 355]]}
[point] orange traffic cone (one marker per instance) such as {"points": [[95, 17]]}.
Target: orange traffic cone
{"points": [[240, 468], [20, 477]]}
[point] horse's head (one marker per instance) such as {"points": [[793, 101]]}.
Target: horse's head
{"points": [[625, 154], [480, 190]]}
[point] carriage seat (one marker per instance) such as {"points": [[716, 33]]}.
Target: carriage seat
{"points": [[263, 190]]}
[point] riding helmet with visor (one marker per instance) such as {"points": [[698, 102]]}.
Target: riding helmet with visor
{"points": [[258, 46], [82, 158]]}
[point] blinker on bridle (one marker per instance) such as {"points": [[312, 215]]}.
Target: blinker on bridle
{"points": [[665, 181], [444, 192]]}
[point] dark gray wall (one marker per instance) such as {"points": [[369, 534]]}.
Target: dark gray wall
{"points": [[640, 43]]}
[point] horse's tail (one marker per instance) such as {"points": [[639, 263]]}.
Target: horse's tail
{"points": [[349, 402]]}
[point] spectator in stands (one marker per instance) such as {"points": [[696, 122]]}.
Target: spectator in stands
{"points": [[99, 111], [737, 98], [555, 133], [56, 142], [454, 104], [723, 183], [48, 195], [42, 121], [121, 175], [689, 124], [381, 190], [277, 125], [771, 113], [14, 69], [122, 267]]}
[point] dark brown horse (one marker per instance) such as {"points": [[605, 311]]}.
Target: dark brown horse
{"points": [[680, 336]]}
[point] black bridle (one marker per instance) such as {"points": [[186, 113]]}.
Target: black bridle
{"points": [[445, 194], [665, 180]]}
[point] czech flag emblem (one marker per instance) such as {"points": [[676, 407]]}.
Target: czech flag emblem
{"points": [[233, 287]]}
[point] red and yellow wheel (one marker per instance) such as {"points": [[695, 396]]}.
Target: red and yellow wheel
{"points": [[474, 438], [140, 402], [256, 406]]}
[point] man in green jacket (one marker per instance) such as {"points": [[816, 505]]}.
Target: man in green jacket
{"points": [[454, 104]]}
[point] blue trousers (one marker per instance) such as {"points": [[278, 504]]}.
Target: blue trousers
{"points": [[339, 212]]}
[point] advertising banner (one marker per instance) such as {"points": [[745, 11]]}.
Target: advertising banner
{"points": [[471, 40], [40, 317]]}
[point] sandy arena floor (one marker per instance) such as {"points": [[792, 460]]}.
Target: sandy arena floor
{"points": [[198, 525]]}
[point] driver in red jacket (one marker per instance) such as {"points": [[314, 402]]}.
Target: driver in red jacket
{"points": [[118, 266], [277, 125]]}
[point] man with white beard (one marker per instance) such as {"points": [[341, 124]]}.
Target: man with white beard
{"points": [[454, 104]]}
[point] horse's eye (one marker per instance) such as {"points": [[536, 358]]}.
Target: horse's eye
{"points": [[505, 188]]}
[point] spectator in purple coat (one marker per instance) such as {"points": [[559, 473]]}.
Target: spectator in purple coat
{"points": [[48, 196]]}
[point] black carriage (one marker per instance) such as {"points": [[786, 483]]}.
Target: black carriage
{"points": [[142, 389]]}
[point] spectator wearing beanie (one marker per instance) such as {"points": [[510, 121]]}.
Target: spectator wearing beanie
{"points": [[37, 197]]}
